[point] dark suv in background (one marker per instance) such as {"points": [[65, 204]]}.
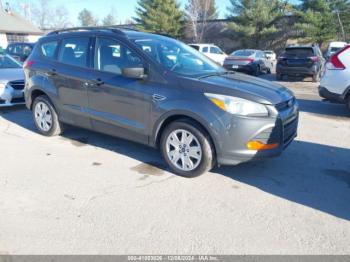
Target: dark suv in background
{"points": [[20, 51], [301, 61], [159, 92]]}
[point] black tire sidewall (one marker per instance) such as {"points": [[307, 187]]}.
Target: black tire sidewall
{"points": [[348, 103], [207, 161], [55, 128]]}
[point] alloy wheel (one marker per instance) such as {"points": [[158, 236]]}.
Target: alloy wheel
{"points": [[43, 116], [183, 150]]}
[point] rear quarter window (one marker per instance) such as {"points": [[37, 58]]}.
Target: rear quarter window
{"points": [[49, 49]]}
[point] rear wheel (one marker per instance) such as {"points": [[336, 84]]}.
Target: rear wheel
{"points": [[45, 117], [257, 71], [348, 102], [187, 149]]}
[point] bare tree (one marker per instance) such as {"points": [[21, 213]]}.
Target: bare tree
{"points": [[198, 12], [42, 13], [60, 18], [110, 18], [86, 18]]}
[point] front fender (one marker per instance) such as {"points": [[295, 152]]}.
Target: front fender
{"points": [[207, 116]]}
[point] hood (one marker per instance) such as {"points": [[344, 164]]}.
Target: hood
{"points": [[11, 74], [247, 87]]}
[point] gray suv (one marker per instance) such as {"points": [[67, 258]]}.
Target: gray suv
{"points": [[157, 91]]}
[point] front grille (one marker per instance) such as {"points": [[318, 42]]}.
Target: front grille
{"points": [[290, 129], [17, 85]]}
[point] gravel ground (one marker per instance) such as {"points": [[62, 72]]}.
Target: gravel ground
{"points": [[85, 193]]}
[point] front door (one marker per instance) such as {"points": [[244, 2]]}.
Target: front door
{"points": [[118, 105]]}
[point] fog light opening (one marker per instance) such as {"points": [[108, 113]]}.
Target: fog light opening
{"points": [[258, 146]]}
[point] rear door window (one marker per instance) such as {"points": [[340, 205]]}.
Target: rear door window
{"points": [[299, 52], [74, 51], [205, 49]]}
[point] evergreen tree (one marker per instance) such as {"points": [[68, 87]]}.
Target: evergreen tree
{"points": [[254, 20], [317, 22], [86, 18], [160, 16]]}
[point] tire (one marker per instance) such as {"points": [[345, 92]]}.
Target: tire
{"points": [[53, 129], [279, 77], [268, 71], [316, 77], [257, 71], [199, 166], [348, 103]]}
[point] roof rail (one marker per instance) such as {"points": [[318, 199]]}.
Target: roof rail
{"points": [[116, 29]]}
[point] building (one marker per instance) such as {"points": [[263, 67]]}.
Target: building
{"points": [[15, 28]]}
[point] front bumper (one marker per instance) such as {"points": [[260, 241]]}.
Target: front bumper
{"points": [[9, 96], [280, 128]]}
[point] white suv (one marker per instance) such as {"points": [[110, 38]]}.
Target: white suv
{"points": [[335, 83], [211, 51]]}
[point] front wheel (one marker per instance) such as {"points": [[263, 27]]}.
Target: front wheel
{"points": [[45, 117], [187, 149]]}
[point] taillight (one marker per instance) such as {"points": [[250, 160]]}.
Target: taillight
{"points": [[335, 63], [250, 60], [28, 64], [314, 58]]}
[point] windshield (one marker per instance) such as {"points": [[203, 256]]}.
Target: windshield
{"points": [[243, 53], [178, 57], [8, 62]]}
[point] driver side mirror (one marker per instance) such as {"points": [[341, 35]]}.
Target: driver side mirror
{"points": [[134, 73]]}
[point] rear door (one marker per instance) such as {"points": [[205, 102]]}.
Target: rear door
{"points": [[70, 73]]}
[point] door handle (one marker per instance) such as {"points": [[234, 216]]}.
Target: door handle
{"points": [[98, 82]]}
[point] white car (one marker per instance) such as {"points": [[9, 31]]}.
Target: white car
{"points": [[11, 81], [334, 47], [271, 55], [211, 51], [335, 83]]}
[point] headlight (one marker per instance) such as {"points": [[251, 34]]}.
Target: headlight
{"points": [[238, 106], [2, 85]]}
